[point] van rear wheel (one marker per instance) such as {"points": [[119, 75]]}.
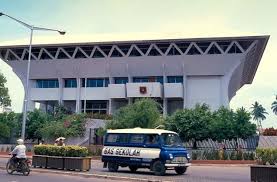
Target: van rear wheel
{"points": [[159, 168], [180, 170], [133, 168], [112, 166]]}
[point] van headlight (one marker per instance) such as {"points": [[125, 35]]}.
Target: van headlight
{"points": [[171, 156], [188, 156]]}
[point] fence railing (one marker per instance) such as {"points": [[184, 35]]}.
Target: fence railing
{"points": [[249, 144]]}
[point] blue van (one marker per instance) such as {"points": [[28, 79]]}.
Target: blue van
{"points": [[156, 149]]}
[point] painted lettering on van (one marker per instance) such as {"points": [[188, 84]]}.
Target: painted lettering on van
{"points": [[127, 152], [121, 151]]}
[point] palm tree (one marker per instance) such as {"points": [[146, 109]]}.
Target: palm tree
{"points": [[258, 112], [274, 106]]}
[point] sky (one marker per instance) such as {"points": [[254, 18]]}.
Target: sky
{"points": [[94, 20]]}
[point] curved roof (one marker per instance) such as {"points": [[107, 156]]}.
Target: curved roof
{"points": [[141, 131]]}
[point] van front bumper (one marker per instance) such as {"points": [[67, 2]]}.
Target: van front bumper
{"points": [[177, 165]]}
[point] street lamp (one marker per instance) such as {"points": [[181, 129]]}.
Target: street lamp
{"points": [[26, 97]]}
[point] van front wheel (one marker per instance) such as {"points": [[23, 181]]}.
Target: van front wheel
{"points": [[159, 168], [133, 168], [112, 166], [180, 170]]}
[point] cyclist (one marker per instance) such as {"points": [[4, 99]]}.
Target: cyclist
{"points": [[19, 152]]}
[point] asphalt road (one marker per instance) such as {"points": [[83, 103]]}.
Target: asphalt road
{"points": [[213, 173], [38, 177]]}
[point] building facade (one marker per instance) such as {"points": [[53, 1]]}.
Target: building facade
{"points": [[103, 76]]}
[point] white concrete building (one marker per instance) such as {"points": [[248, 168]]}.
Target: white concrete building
{"points": [[103, 76]]}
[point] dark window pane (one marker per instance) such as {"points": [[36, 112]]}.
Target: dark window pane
{"points": [[123, 138], [175, 79], [70, 83], [39, 84], [159, 79], [113, 138], [137, 139], [121, 80], [100, 83]]}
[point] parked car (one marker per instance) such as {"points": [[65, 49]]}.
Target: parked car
{"points": [[156, 149]]}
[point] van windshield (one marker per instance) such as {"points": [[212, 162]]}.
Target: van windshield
{"points": [[171, 140]]}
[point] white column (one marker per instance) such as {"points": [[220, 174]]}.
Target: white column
{"points": [[85, 96], [129, 81], [184, 91], [164, 99], [61, 86], [111, 81], [78, 95], [31, 104]]}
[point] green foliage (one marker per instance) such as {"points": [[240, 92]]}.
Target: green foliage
{"points": [[100, 132], [274, 106], [68, 126], [248, 156], [201, 123], [143, 113], [222, 155], [9, 126], [99, 116], [233, 155], [267, 155], [35, 121], [60, 112], [211, 155], [191, 123], [258, 112], [65, 151], [4, 130], [4, 92], [222, 125]]}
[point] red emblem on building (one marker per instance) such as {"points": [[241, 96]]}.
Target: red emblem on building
{"points": [[142, 90]]}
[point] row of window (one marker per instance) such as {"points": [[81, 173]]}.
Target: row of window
{"points": [[104, 82], [99, 107], [51, 83], [152, 139]]}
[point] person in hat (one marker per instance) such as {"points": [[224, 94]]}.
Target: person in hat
{"points": [[60, 141], [19, 151]]}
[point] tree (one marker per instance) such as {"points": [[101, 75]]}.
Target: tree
{"points": [[242, 125], [4, 92], [222, 125], [200, 123], [274, 106], [258, 112], [191, 124], [35, 121], [9, 126], [69, 126], [143, 113]]}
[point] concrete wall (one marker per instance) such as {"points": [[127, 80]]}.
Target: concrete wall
{"points": [[204, 89]]}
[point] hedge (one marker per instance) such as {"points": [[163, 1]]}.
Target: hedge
{"points": [[222, 155], [64, 151], [267, 155]]}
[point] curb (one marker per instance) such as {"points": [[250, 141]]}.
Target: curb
{"points": [[223, 165], [86, 175]]}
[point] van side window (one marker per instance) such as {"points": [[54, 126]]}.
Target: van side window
{"points": [[138, 139], [113, 138], [123, 138], [152, 139]]}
